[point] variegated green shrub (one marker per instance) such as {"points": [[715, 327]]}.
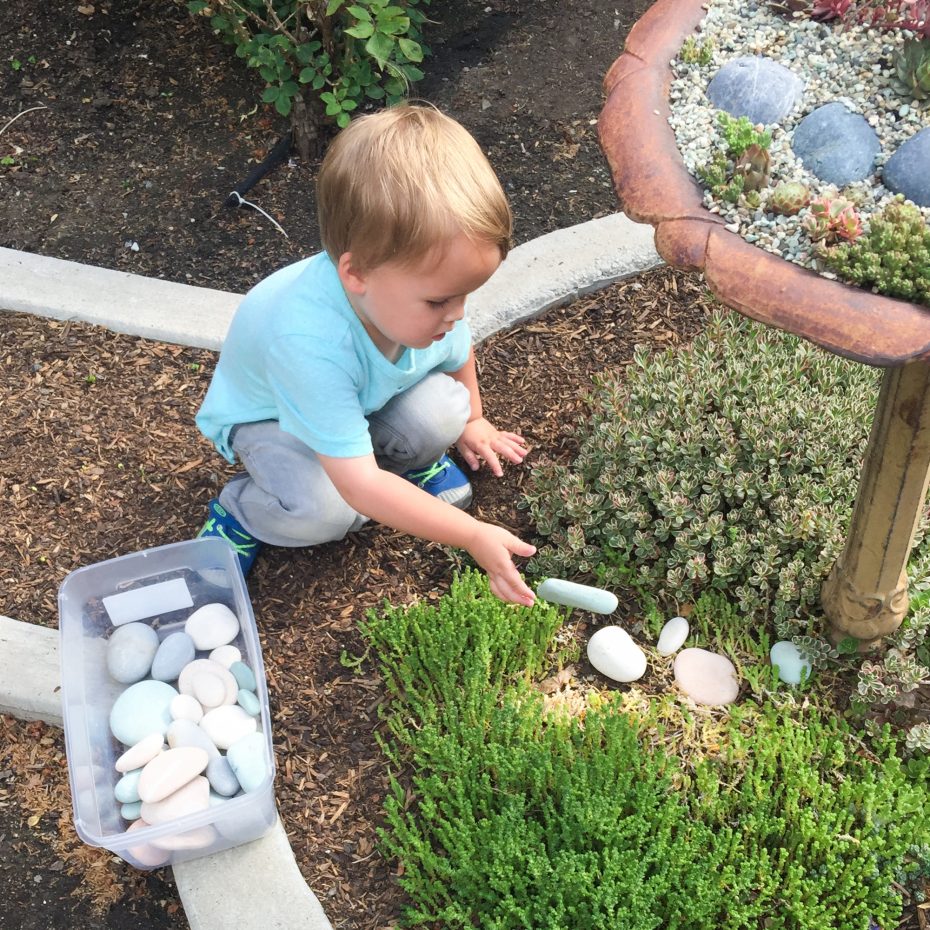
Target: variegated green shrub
{"points": [[730, 465]]}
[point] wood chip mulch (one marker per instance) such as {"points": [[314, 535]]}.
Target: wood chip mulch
{"points": [[101, 457]]}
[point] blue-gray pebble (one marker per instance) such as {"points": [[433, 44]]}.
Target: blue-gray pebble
{"points": [[175, 651], [908, 170], [248, 702], [221, 777], [755, 87], [243, 675], [130, 650], [836, 145]]}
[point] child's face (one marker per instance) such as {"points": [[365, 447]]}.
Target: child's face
{"points": [[415, 306]]}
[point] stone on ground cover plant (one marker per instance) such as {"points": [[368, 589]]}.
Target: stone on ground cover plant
{"points": [[731, 465], [519, 819]]}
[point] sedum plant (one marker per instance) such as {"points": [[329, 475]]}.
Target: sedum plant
{"points": [[893, 256], [732, 465]]}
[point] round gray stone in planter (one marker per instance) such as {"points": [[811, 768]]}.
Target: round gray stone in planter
{"points": [[836, 145], [908, 170], [755, 87]]}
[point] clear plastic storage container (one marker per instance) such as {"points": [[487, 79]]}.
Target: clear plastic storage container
{"points": [[160, 587]]}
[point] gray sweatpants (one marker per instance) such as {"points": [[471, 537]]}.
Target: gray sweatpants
{"points": [[285, 498]]}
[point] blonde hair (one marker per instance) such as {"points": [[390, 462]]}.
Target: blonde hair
{"points": [[396, 184]]}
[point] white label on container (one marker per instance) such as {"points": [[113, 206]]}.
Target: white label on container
{"points": [[153, 599]]}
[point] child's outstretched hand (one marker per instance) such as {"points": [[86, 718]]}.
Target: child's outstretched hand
{"points": [[482, 441], [493, 548]]}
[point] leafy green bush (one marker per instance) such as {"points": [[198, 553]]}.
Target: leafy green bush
{"points": [[317, 55], [520, 819], [732, 465]]}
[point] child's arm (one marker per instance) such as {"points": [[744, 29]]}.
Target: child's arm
{"points": [[396, 502], [480, 440]]}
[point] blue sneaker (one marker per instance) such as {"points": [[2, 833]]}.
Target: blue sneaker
{"points": [[445, 480], [223, 524]]}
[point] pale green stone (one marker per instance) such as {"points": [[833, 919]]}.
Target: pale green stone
{"points": [[248, 702], [131, 811], [243, 675], [582, 596], [127, 788]]}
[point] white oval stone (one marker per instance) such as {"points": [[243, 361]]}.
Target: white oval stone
{"points": [[199, 666], [791, 664], [227, 725], [211, 626], [208, 689], [572, 594], [706, 677], [614, 654], [186, 707], [190, 798], [183, 733], [143, 751], [130, 651], [169, 770], [226, 655], [673, 636]]}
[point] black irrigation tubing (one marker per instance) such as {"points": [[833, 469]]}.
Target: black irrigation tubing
{"points": [[277, 156]]}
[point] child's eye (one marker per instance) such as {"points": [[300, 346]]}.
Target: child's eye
{"points": [[438, 304]]}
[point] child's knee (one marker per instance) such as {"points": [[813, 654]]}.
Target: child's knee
{"points": [[323, 518]]}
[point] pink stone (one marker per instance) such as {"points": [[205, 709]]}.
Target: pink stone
{"points": [[145, 853], [142, 753], [188, 799], [169, 770], [706, 677], [193, 670], [198, 838]]}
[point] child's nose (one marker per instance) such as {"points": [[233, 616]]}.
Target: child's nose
{"points": [[456, 310]]}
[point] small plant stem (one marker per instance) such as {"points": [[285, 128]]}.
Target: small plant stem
{"points": [[21, 113]]}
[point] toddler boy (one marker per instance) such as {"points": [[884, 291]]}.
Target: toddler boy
{"points": [[345, 377]]}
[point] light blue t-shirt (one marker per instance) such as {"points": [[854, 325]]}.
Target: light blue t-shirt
{"points": [[297, 353]]}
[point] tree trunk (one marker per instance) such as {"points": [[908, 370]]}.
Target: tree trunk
{"points": [[307, 121]]}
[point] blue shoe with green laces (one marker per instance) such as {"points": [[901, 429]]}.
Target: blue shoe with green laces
{"points": [[223, 524], [445, 480]]}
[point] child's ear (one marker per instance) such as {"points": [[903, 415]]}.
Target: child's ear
{"points": [[353, 281]]}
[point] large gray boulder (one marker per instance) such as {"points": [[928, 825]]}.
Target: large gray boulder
{"points": [[755, 87], [836, 145], [908, 170]]}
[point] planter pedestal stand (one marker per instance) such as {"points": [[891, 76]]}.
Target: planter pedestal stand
{"points": [[865, 595]]}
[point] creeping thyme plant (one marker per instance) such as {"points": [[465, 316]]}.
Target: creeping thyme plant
{"points": [[509, 816], [730, 466]]}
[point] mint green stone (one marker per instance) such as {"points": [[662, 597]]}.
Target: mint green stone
{"points": [[131, 811], [248, 702], [582, 596], [243, 675], [127, 788]]}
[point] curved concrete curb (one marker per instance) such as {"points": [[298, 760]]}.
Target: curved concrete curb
{"points": [[549, 271]]}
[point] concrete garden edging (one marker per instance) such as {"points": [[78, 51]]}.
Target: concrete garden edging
{"points": [[547, 272]]}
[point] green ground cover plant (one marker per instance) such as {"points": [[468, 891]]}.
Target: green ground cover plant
{"points": [[505, 815]]}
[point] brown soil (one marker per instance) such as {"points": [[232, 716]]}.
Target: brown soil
{"points": [[147, 124]]}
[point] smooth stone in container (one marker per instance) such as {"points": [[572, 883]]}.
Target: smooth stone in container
{"points": [[190, 798], [791, 664], [227, 725], [614, 654], [673, 636], [211, 626], [756, 87], [198, 838], [183, 733], [198, 667], [243, 675], [126, 790], [248, 702], [907, 172], [187, 707], [247, 759], [226, 655], [142, 709], [209, 689], [132, 811], [221, 777], [169, 771], [130, 650], [706, 677], [143, 751], [145, 853], [836, 145], [175, 651], [582, 596]]}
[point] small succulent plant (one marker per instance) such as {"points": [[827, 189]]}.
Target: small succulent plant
{"points": [[753, 166], [695, 52], [832, 218], [789, 198], [912, 69]]}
